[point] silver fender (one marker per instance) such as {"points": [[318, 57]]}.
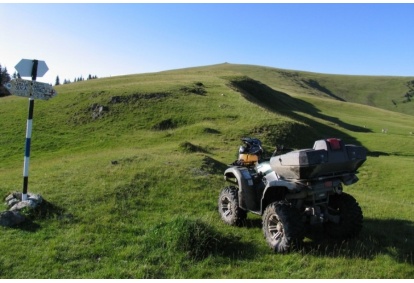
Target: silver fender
{"points": [[276, 190], [241, 177]]}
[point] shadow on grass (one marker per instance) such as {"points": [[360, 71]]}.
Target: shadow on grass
{"points": [[188, 147], [46, 210], [294, 108], [213, 166], [391, 237], [377, 153], [28, 226], [253, 223]]}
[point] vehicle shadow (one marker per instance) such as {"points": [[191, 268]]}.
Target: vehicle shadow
{"points": [[253, 223], [392, 237]]}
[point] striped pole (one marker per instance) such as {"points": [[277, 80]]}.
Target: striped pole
{"points": [[27, 149], [29, 135]]}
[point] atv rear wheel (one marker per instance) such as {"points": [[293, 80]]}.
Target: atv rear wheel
{"points": [[228, 207], [282, 227], [350, 216]]}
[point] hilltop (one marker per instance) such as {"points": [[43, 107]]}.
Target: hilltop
{"points": [[131, 166]]}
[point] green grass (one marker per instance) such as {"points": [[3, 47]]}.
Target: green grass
{"points": [[132, 193], [384, 92]]}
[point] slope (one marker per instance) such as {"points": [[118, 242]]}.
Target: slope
{"points": [[386, 92], [130, 168]]}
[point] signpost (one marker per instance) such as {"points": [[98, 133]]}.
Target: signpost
{"points": [[31, 89], [27, 88], [25, 68]]}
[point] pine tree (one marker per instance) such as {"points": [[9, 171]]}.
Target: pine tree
{"points": [[4, 75], [57, 81], [4, 78]]}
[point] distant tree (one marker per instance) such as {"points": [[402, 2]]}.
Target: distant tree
{"points": [[90, 77], [16, 75], [4, 78], [81, 78], [4, 75], [57, 81]]}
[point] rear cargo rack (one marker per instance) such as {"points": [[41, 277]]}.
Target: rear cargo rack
{"points": [[328, 158]]}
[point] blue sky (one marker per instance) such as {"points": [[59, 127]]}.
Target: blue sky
{"points": [[116, 39]]}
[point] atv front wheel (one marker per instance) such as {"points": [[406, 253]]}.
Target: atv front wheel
{"points": [[228, 207], [282, 227], [349, 215]]}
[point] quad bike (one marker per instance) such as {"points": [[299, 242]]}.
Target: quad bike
{"points": [[293, 190]]}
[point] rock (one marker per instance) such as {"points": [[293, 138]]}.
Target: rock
{"points": [[12, 202], [10, 197], [11, 218], [22, 204], [15, 203], [35, 197], [15, 198]]}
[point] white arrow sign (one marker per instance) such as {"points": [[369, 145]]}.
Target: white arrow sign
{"points": [[33, 89], [25, 66]]}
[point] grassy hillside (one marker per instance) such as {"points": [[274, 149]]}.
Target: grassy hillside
{"points": [[389, 93], [131, 168]]}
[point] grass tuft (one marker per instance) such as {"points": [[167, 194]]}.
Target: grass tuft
{"points": [[194, 238], [188, 147]]}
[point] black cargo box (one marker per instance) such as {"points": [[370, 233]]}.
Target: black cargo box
{"points": [[328, 157]]}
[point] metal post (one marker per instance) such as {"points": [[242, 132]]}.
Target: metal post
{"points": [[29, 135]]}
